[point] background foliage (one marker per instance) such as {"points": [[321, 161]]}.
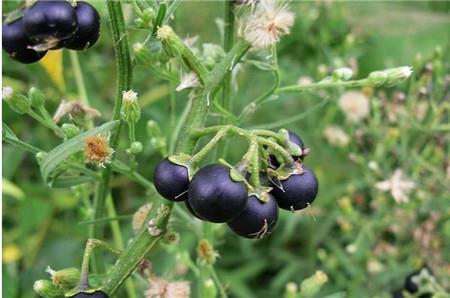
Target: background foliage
{"points": [[365, 241]]}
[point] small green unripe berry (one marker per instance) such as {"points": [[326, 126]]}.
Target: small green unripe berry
{"points": [[135, 148], [70, 130]]}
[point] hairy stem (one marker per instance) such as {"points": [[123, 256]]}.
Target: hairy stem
{"points": [[124, 78]]}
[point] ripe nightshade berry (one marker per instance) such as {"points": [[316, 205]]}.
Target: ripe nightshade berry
{"points": [[189, 207], [294, 138], [96, 294], [214, 196], [297, 191], [15, 43], [50, 22], [88, 27], [257, 220], [171, 180]]}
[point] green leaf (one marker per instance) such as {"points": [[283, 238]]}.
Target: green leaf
{"points": [[12, 190], [69, 181], [61, 152], [159, 17], [7, 133]]}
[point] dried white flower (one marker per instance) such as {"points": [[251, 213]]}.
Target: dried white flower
{"points": [[189, 80], [97, 150], [74, 108], [398, 186], [355, 105], [161, 288], [129, 96], [7, 92], [267, 24], [336, 136], [164, 32]]}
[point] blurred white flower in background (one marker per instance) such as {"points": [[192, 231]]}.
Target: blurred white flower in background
{"points": [[267, 24], [336, 136], [304, 80], [398, 185], [355, 105]]}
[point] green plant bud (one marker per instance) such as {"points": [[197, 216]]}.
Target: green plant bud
{"points": [[136, 148], [47, 289], [210, 289], [148, 14], [16, 101], [142, 55], [377, 78], [311, 286], [37, 97], [130, 107], [70, 130], [40, 156], [153, 129], [291, 290], [343, 74], [172, 44], [66, 278], [212, 54]]}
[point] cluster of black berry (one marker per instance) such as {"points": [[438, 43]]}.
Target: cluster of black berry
{"points": [[96, 294], [213, 195], [51, 25]]}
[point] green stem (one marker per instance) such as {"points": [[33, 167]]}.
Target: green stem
{"points": [[124, 78], [222, 292], [118, 241], [47, 123], [287, 158], [323, 85], [205, 150]]}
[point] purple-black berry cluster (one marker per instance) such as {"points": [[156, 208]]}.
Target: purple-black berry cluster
{"points": [[213, 194], [51, 25]]}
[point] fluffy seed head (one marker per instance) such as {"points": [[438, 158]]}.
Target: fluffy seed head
{"points": [[97, 150], [267, 24]]}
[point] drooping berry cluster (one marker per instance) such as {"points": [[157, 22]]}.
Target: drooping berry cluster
{"points": [[413, 282], [51, 25], [218, 193]]}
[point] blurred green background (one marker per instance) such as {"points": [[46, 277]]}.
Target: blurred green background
{"points": [[361, 238]]}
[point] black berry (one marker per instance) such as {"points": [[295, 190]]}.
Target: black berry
{"points": [[294, 138], [214, 196], [16, 43], [96, 294], [171, 180], [257, 220], [88, 27], [189, 207], [297, 191], [412, 287], [50, 22]]}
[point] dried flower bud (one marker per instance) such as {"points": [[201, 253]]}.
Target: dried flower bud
{"points": [[130, 108], [139, 217], [70, 130], [47, 289], [97, 150], [36, 97], [65, 278], [16, 101], [311, 286], [206, 253]]}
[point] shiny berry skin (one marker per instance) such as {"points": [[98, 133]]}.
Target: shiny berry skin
{"points": [[188, 206], [257, 220], [50, 20], [297, 191], [15, 43], [294, 138], [214, 196], [171, 180], [88, 27], [96, 294]]}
